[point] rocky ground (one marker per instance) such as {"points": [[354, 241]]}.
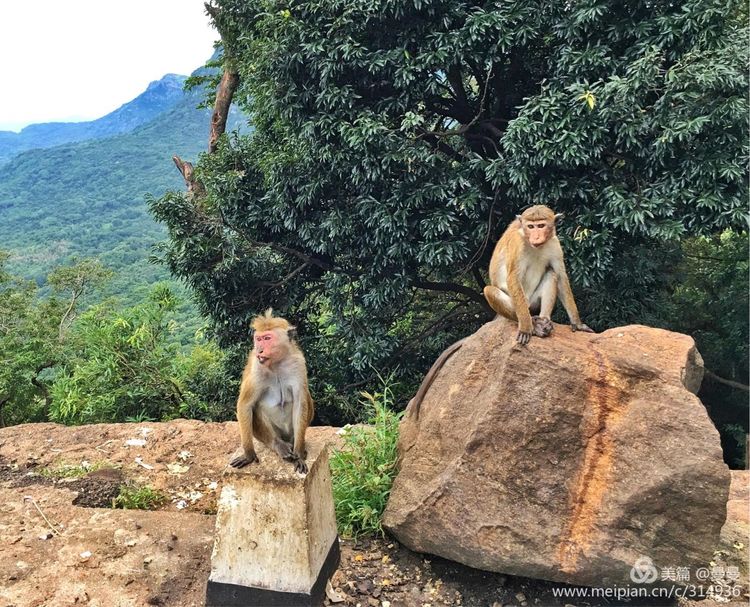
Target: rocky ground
{"points": [[62, 544]]}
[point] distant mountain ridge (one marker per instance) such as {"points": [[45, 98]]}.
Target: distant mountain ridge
{"points": [[160, 96]]}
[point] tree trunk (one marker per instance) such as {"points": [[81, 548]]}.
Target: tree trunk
{"points": [[228, 85]]}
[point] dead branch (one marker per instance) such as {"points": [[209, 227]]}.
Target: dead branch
{"points": [[195, 188]]}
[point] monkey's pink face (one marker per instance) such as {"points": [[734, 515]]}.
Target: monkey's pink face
{"points": [[538, 232], [267, 347]]}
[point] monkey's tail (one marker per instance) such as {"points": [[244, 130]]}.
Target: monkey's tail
{"points": [[416, 402]]}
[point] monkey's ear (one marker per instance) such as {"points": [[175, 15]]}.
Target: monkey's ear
{"points": [[558, 217], [518, 218], [292, 334]]}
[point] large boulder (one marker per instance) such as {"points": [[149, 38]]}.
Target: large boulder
{"points": [[568, 460]]}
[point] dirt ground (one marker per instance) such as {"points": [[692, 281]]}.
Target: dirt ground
{"points": [[62, 544]]}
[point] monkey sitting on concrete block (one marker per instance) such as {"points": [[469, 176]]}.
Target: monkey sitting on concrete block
{"points": [[527, 272], [274, 404]]}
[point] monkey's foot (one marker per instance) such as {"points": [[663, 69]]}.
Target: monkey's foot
{"points": [[284, 449], [243, 460], [300, 466], [542, 326], [582, 327]]}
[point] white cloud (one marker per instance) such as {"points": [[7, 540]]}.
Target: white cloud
{"points": [[81, 59]]}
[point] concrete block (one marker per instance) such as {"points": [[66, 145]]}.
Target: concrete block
{"points": [[275, 541]]}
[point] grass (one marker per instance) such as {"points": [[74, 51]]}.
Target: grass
{"points": [[72, 470], [364, 468], [135, 497]]}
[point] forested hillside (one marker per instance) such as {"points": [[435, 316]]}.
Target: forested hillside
{"points": [[87, 198]]}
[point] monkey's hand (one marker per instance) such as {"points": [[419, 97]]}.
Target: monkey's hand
{"points": [[243, 460], [523, 337], [581, 327]]}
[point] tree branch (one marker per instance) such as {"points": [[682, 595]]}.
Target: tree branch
{"points": [[195, 188], [283, 281], [452, 287], [726, 382]]}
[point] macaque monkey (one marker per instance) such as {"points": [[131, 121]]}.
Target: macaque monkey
{"points": [[274, 404], [527, 273]]}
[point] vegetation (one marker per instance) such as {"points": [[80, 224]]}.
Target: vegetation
{"points": [[138, 497], [364, 469], [708, 299], [394, 141], [391, 144], [109, 363]]}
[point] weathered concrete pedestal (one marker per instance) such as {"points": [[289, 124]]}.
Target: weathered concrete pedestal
{"points": [[275, 541]]}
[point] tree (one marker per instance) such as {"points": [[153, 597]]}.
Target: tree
{"points": [[123, 364], [393, 141], [709, 299], [28, 346]]}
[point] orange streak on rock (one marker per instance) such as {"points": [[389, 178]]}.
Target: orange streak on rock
{"points": [[605, 401]]}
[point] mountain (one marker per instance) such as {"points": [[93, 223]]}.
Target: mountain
{"points": [[87, 198], [160, 96]]}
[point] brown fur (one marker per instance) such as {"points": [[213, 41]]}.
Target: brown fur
{"points": [[523, 276], [274, 404]]}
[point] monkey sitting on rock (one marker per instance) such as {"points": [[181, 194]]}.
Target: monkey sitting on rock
{"points": [[527, 273], [274, 404]]}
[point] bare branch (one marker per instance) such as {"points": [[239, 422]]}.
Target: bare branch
{"points": [[195, 188]]}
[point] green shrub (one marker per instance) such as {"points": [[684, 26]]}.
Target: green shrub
{"points": [[364, 468]]}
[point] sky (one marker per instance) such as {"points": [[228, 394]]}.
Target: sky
{"points": [[73, 60]]}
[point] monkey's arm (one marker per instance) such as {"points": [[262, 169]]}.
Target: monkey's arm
{"points": [[565, 293], [245, 403], [520, 301]]}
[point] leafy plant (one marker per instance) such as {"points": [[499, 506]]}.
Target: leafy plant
{"points": [[364, 468], [126, 365], [135, 497]]}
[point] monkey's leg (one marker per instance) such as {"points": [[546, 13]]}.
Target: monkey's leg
{"points": [[245, 419], [500, 302], [267, 435], [544, 297]]}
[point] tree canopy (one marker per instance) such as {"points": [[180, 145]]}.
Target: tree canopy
{"points": [[394, 140]]}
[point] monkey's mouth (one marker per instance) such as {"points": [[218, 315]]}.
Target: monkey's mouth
{"points": [[262, 359]]}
